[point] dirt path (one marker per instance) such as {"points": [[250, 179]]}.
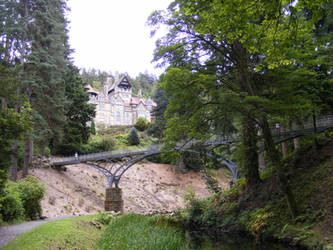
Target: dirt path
{"points": [[8, 233]]}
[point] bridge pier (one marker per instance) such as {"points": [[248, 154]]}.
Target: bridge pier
{"points": [[113, 200]]}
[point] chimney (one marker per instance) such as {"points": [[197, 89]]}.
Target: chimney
{"points": [[140, 93]]}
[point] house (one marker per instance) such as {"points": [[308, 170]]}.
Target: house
{"points": [[115, 105]]}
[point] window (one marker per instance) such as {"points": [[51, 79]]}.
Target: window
{"points": [[101, 117], [101, 106], [118, 116]]}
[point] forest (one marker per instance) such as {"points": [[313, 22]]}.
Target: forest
{"points": [[233, 68]]}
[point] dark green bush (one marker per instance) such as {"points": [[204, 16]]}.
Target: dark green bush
{"points": [[142, 124], [31, 192], [11, 206], [133, 137], [107, 144]]}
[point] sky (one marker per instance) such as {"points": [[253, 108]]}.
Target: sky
{"points": [[112, 35]]}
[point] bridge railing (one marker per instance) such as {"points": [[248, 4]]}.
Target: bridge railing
{"points": [[108, 154]]}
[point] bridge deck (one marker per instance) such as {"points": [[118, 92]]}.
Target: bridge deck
{"points": [[322, 125]]}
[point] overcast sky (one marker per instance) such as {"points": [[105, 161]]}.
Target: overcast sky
{"points": [[111, 35]]}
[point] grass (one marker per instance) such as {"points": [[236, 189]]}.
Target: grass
{"points": [[133, 231], [73, 233]]}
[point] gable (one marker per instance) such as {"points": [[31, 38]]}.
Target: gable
{"points": [[124, 83]]}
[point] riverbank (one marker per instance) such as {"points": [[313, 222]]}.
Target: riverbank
{"points": [[263, 212]]}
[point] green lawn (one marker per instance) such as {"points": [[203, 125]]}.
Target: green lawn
{"points": [[73, 233]]}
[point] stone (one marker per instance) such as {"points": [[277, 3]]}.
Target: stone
{"points": [[113, 200]]}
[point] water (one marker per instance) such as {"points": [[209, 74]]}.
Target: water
{"points": [[230, 241]]}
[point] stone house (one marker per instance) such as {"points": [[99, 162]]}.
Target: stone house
{"points": [[115, 105]]}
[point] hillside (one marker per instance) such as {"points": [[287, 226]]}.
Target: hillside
{"points": [[263, 213], [147, 187]]}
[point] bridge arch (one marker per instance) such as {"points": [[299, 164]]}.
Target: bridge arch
{"points": [[114, 175]]}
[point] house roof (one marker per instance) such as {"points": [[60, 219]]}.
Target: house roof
{"points": [[137, 100], [90, 89], [123, 82]]}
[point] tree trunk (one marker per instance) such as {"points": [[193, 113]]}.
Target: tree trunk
{"points": [[13, 157], [3, 105], [275, 158], [28, 150], [284, 144], [296, 140], [261, 155], [250, 152], [14, 148]]}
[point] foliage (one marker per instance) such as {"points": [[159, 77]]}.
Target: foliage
{"points": [[121, 139], [142, 124], [78, 114], [97, 144], [133, 231], [12, 126], [22, 200], [92, 128], [32, 192], [192, 161], [79, 232], [133, 137], [262, 212], [144, 82], [223, 67], [104, 218], [157, 127], [11, 205]]}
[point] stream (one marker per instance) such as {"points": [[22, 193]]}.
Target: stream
{"points": [[230, 241]]}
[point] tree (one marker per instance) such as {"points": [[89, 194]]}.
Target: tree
{"points": [[78, 113], [209, 39], [34, 46], [133, 137], [158, 126], [142, 124]]}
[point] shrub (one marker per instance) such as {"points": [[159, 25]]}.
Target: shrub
{"points": [[11, 206], [98, 144], [107, 144], [133, 137], [104, 218], [142, 124], [121, 139], [32, 192]]}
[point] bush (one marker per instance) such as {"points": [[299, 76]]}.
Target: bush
{"points": [[98, 144], [104, 218], [142, 124], [107, 144], [32, 192], [121, 139], [11, 206], [133, 137]]}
